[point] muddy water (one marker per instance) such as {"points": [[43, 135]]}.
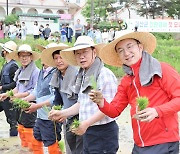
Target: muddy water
{"points": [[11, 145]]}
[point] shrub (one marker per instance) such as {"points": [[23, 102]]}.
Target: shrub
{"points": [[11, 19]]}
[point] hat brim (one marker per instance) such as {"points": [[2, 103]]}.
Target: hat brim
{"points": [[69, 56], [14, 55], [108, 53], [3, 47], [40, 47], [6, 49], [46, 55]]}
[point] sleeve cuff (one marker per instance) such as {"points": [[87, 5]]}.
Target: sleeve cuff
{"points": [[159, 111]]}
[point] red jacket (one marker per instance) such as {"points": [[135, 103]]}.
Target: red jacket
{"points": [[163, 95]]}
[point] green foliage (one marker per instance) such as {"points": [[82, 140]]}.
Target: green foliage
{"points": [[101, 9], [107, 25], [57, 107], [11, 19], [168, 51], [142, 102], [19, 103], [164, 36], [75, 124], [173, 8], [10, 93], [30, 41], [118, 71]]}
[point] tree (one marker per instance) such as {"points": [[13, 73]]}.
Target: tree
{"points": [[101, 9], [173, 8], [148, 8], [11, 19], [153, 8], [127, 4]]}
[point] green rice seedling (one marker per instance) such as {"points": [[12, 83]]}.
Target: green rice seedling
{"points": [[57, 107], [19, 103], [10, 93], [75, 124], [142, 102]]}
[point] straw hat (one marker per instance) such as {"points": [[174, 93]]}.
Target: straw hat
{"points": [[82, 42], [41, 48], [9, 46], [46, 55], [108, 53], [24, 48]]}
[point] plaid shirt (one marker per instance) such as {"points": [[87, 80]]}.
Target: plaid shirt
{"points": [[107, 84]]}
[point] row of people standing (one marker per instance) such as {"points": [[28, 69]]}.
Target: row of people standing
{"points": [[95, 119], [100, 132], [105, 36], [34, 131], [14, 31], [155, 127], [41, 32], [66, 33]]}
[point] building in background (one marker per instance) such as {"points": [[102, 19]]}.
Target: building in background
{"points": [[54, 12]]}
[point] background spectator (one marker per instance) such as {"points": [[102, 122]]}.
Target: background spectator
{"points": [[36, 30], [23, 31], [47, 32], [78, 29], [41, 31], [69, 33], [63, 33], [98, 36], [1, 30]]}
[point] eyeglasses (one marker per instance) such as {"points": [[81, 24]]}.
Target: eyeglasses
{"points": [[24, 56], [128, 48]]}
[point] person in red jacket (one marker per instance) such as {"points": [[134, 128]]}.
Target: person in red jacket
{"points": [[155, 128]]}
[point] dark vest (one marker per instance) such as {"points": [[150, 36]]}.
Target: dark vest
{"points": [[5, 76], [43, 84]]}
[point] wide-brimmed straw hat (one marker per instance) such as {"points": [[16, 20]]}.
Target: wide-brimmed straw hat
{"points": [[82, 42], [46, 55], [24, 48], [41, 47], [108, 53], [9, 46]]}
